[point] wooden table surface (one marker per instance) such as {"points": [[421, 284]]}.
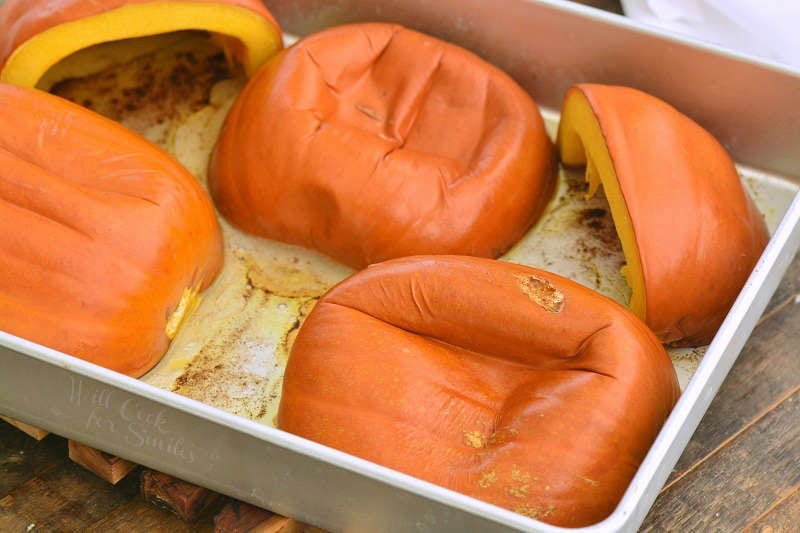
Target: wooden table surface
{"points": [[740, 471]]}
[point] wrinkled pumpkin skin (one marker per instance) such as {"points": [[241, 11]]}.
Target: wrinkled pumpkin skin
{"points": [[102, 233], [372, 141], [694, 228], [253, 35], [508, 384]]}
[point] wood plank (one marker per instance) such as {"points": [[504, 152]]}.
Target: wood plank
{"points": [[65, 498], [737, 484], [783, 516], [238, 516], [106, 466], [22, 457], [767, 370], [278, 524], [33, 431], [186, 500], [138, 516]]}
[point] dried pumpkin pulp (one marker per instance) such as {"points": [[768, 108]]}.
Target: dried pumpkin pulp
{"points": [[108, 239]]}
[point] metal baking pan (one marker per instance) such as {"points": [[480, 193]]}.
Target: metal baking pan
{"points": [[547, 46]]}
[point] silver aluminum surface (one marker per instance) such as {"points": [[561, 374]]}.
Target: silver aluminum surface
{"points": [[751, 106]]}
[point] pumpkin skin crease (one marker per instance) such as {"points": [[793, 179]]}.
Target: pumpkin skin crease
{"points": [[373, 141], [693, 228], [455, 370], [246, 29], [108, 231]]}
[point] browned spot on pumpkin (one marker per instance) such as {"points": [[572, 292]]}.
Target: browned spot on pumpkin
{"points": [[542, 292], [474, 439], [487, 479], [521, 482], [533, 512], [527, 510]]}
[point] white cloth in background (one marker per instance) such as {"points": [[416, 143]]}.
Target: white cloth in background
{"points": [[765, 28]]}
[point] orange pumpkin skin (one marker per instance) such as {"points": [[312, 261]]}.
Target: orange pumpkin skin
{"points": [[509, 384], [372, 141], [103, 233], [22, 20], [698, 232]]}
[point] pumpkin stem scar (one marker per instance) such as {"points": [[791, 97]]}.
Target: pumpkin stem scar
{"points": [[189, 302], [542, 292]]}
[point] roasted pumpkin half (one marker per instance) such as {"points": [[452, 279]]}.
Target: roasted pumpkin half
{"points": [[36, 34], [506, 383], [372, 141], [106, 239], [690, 232]]}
